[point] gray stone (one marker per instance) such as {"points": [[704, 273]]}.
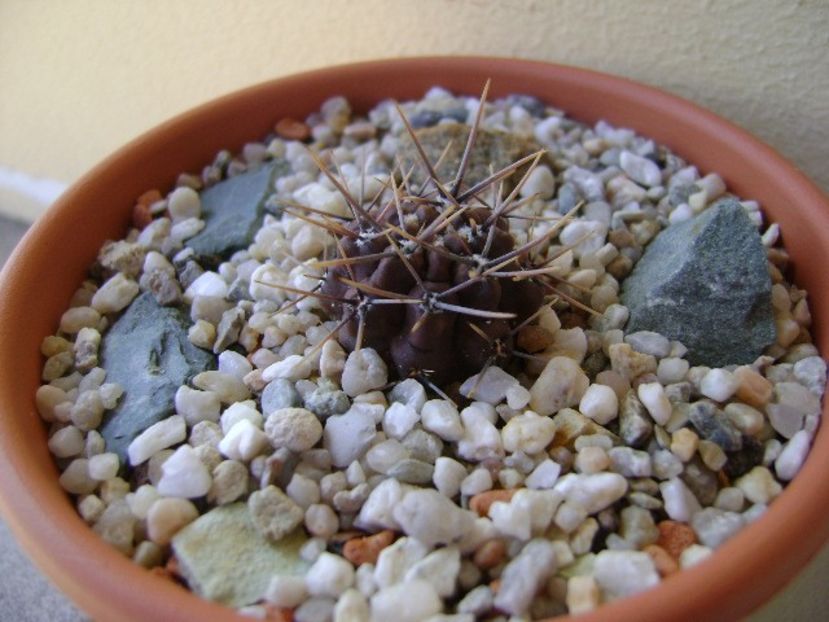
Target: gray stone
{"points": [[325, 401], [223, 557], [705, 283], [279, 393], [227, 332], [233, 210], [148, 353], [412, 471], [713, 425]]}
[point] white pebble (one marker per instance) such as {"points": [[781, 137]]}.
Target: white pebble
{"points": [[653, 398], [238, 411], [481, 439], [680, 502], [303, 491], [297, 429], [352, 606], [142, 500], [243, 441], [792, 456], [103, 466], [522, 578], [448, 476], [67, 442], [183, 203], [759, 485], [442, 418], [167, 516], [476, 482], [641, 170], [491, 388], [229, 388], [693, 555], [115, 294], [184, 475], [321, 520], [671, 370], [76, 318], [595, 491], [348, 435], [432, 518], [544, 475], [75, 478], [364, 371], [624, 573], [399, 420], [529, 433], [384, 455], [209, 284], [330, 575], [719, 384], [440, 568], [377, 511], [234, 364], [286, 591], [412, 601], [409, 392], [332, 359], [165, 433], [195, 405], [600, 404], [562, 384], [294, 367], [540, 182]]}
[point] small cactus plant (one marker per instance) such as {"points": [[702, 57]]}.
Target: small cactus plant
{"points": [[432, 278]]}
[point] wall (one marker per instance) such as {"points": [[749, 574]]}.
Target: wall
{"points": [[80, 78]]}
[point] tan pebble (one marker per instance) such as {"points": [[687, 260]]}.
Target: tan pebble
{"points": [[620, 267], [615, 381], [481, 502], [665, 564], [141, 216], [675, 537], [366, 550], [684, 443], [754, 389], [534, 338], [582, 594], [490, 554], [291, 129], [628, 363]]}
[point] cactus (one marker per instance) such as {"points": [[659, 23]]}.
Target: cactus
{"points": [[432, 278]]}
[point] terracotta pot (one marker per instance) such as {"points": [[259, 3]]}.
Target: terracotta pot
{"points": [[50, 262]]}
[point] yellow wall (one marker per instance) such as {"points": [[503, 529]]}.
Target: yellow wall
{"points": [[78, 78]]}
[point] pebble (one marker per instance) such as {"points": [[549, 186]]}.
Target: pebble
{"points": [[481, 439], [630, 462], [540, 182], [477, 602], [759, 485], [653, 398], [624, 573], [432, 518], [294, 367], [104, 466], [352, 606], [183, 203], [649, 342], [347, 436], [243, 441], [671, 370], [115, 294], [639, 169], [279, 393], [412, 601], [75, 478], [330, 575], [714, 526], [529, 433], [364, 371], [230, 482], [165, 433], [448, 476], [167, 516], [594, 492], [184, 475], [196, 406], [286, 591], [239, 411], [442, 418], [491, 387], [561, 384], [412, 471], [544, 475], [524, 575], [297, 429], [583, 594], [680, 502], [440, 568], [228, 388], [792, 457], [719, 385], [811, 373], [600, 403], [66, 442], [399, 419]]}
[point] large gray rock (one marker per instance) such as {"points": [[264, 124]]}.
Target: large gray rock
{"points": [[224, 558], [147, 352], [705, 283], [233, 210]]}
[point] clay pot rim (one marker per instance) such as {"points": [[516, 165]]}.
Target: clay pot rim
{"points": [[743, 572]]}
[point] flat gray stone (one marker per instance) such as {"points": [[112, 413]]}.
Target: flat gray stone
{"points": [[705, 283], [225, 559], [233, 210], [147, 352]]}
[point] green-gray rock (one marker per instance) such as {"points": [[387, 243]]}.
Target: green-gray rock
{"points": [[233, 210], [147, 352], [225, 559], [705, 283]]}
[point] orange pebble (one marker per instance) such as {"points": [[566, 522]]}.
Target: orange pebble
{"points": [[149, 197], [675, 537], [141, 216], [366, 550], [665, 564], [481, 502], [490, 553], [278, 614], [291, 129], [754, 389]]}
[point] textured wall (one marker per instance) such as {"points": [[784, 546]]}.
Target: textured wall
{"points": [[80, 78]]}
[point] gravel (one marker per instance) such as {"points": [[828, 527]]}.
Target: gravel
{"points": [[288, 471]]}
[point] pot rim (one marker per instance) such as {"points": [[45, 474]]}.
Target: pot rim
{"points": [[762, 557]]}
